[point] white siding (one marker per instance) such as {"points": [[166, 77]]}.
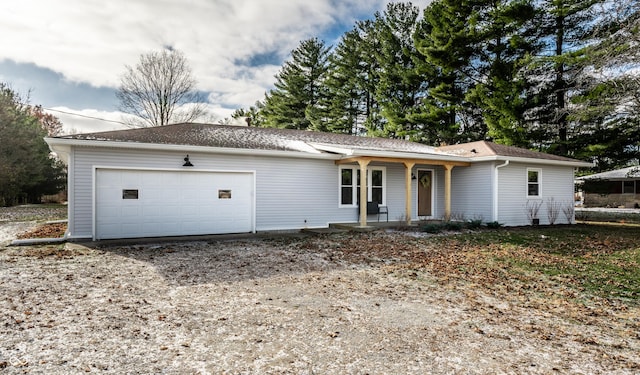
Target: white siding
{"points": [[296, 193], [291, 193], [556, 183], [395, 192], [471, 192], [81, 222]]}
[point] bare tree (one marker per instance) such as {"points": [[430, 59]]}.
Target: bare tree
{"points": [[160, 90]]}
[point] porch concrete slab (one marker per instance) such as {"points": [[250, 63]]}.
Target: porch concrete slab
{"points": [[371, 225], [329, 230]]}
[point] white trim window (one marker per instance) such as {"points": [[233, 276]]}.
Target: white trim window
{"points": [[349, 189], [534, 182], [348, 186]]}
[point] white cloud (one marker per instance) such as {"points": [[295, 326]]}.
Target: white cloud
{"points": [[87, 120], [91, 41]]}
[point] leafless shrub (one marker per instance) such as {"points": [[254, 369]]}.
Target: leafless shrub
{"points": [[553, 210], [532, 208], [569, 210], [457, 216]]}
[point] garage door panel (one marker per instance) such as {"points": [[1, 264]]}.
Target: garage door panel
{"points": [[129, 213], [152, 213], [130, 230], [154, 194], [132, 179], [168, 209], [111, 227], [170, 180], [172, 203], [109, 194]]}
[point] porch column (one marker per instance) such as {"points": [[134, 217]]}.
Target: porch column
{"points": [[447, 191], [363, 191], [407, 188]]}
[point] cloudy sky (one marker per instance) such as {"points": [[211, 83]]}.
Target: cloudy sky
{"points": [[70, 54]]}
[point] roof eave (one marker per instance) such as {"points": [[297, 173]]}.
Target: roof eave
{"points": [[64, 143], [517, 159], [331, 153], [331, 148], [62, 150], [605, 178]]}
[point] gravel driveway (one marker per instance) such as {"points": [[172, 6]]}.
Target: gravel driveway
{"points": [[273, 306]]}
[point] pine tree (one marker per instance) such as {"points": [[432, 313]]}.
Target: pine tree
{"points": [[295, 101], [254, 116], [606, 108], [370, 78], [444, 39], [565, 31], [503, 37], [346, 94], [400, 85]]}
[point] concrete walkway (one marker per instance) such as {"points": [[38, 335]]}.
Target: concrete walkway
{"points": [[609, 210]]}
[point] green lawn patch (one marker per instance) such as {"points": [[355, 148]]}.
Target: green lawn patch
{"points": [[590, 260]]}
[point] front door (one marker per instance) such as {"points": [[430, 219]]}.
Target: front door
{"points": [[425, 186]]}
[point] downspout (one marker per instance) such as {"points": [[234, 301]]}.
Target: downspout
{"points": [[42, 241], [495, 189]]}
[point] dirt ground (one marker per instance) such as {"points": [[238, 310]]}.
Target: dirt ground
{"points": [[289, 305], [23, 219]]}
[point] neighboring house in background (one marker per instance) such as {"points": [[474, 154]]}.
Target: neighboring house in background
{"points": [[618, 188], [192, 179]]}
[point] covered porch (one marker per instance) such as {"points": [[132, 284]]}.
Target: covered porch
{"points": [[409, 163]]}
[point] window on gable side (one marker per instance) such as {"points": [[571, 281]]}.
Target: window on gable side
{"points": [[533, 182]]}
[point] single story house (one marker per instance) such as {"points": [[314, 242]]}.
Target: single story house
{"points": [[193, 179], [618, 188]]}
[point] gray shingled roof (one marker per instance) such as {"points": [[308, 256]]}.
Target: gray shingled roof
{"points": [[485, 148], [252, 138], [243, 137], [618, 174]]}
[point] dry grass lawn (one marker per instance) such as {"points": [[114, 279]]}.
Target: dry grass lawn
{"points": [[492, 302]]}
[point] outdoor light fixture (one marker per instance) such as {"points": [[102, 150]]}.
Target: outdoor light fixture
{"points": [[187, 163]]}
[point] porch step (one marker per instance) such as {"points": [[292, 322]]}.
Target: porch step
{"points": [[328, 230]]}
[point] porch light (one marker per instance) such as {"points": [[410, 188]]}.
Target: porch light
{"points": [[187, 163]]}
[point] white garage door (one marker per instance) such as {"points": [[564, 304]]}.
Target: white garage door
{"points": [[138, 203]]}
